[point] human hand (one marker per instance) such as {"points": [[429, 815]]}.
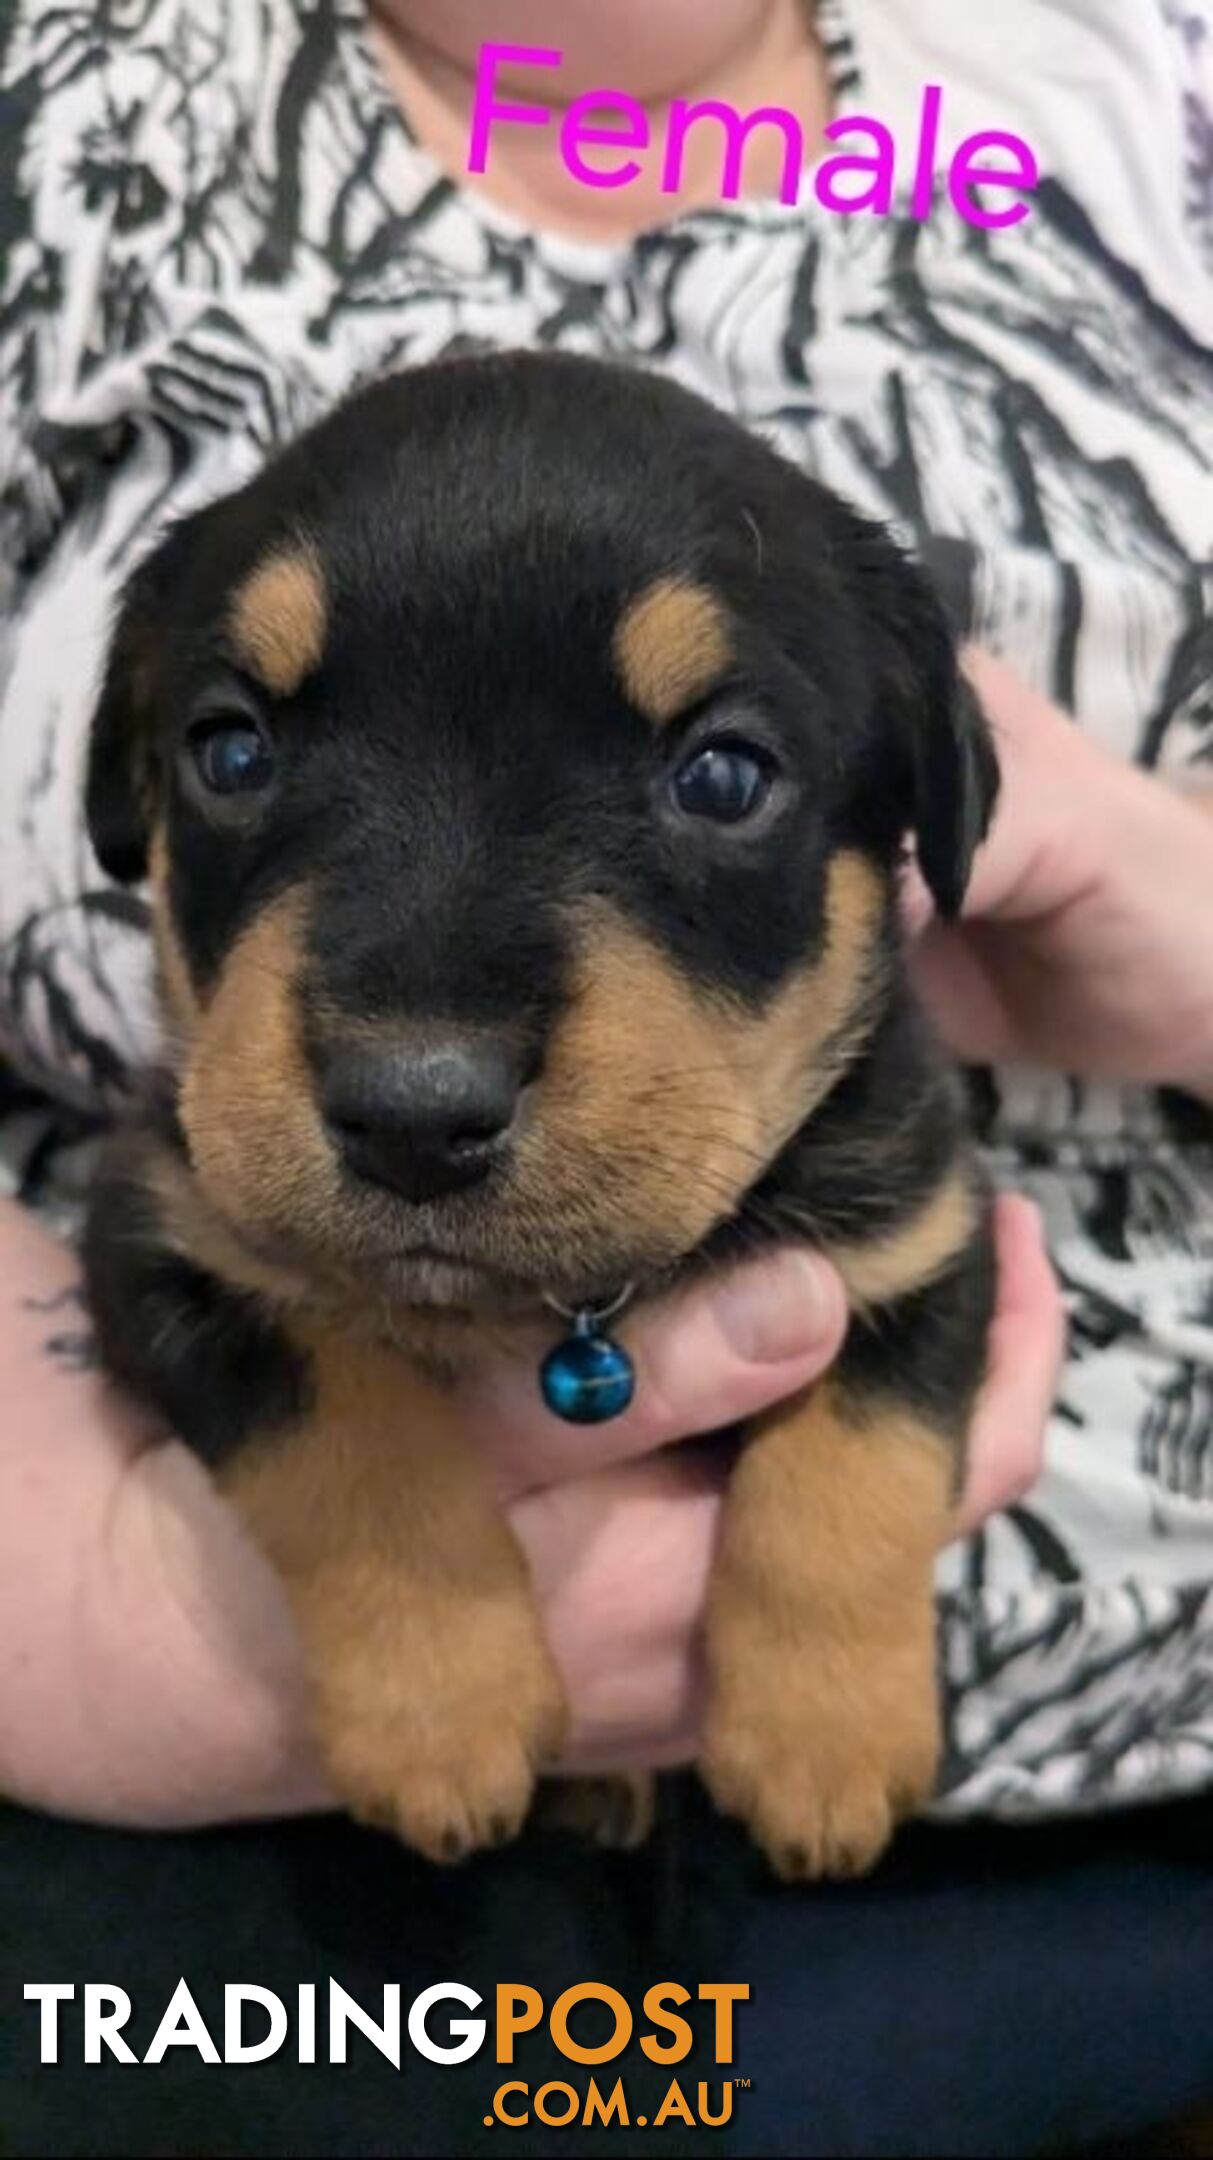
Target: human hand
{"points": [[149, 1673], [1084, 940], [621, 1553]]}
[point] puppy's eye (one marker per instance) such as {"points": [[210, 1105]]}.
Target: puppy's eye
{"points": [[726, 782], [231, 756]]}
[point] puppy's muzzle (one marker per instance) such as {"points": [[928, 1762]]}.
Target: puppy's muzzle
{"points": [[423, 1123]]}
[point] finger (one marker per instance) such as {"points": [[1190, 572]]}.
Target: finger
{"points": [[1037, 855], [621, 1562], [1042, 850], [1027, 1345], [959, 982], [705, 1357]]}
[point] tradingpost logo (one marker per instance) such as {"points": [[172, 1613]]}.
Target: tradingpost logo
{"points": [[445, 2024]]}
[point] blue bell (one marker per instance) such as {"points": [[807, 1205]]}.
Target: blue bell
{"points": [[587, 1378]]}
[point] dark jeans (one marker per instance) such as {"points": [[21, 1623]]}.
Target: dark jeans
{"points": [[988, 1990]]}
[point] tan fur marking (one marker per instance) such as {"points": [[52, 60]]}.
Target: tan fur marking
{"points": [[435, 1698], [255, 1139], [671, 646], [912, 1254], [438, 1344], [665, 1101], [822, 1723], [658, 1104], [279, 618], [191, 1228]]}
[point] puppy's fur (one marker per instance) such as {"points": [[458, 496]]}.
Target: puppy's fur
{"points": [[475, 626]]}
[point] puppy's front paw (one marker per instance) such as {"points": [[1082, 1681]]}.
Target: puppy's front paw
{"points": [[448, 1772], [822, 1772]]}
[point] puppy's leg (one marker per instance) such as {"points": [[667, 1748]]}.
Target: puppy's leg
{"points": [[822, 1724], [434, 1695]]}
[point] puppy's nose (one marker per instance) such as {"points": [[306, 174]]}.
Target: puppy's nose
{"points": [[422, 1123]]}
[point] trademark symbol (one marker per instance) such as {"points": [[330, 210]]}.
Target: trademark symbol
{"points": [[741, 2084]]}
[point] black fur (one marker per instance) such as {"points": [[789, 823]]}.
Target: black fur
{"points": [[201, 1352]]}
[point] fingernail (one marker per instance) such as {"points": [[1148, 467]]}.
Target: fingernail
{"points": [[775, 1309]]}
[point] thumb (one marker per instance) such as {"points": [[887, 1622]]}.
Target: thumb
{"points": [[705, 1357], [1027, 1348]]}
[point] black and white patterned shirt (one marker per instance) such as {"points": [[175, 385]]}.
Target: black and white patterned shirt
{"points": [[214, 220]]}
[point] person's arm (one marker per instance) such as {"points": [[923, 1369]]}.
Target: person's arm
{"points": [[1200, 794], [147, 1669]]}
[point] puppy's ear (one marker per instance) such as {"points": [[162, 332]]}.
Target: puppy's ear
{"points": [[943, 750], [955, 776], [123, 775]]}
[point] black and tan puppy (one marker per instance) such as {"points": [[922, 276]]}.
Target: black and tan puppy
{"points": [[523, 763]]}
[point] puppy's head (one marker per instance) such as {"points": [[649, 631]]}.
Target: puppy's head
{"points": [[522, 761]]}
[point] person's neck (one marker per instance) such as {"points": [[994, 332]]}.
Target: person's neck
{"points": [[774, 60]]}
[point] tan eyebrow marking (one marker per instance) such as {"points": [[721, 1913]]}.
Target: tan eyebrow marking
{"points": [[278, 620], [671, 645]]}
